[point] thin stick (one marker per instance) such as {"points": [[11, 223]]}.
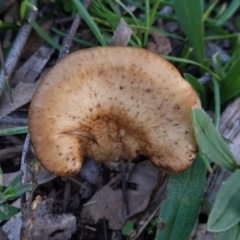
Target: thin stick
{"points": [[68, 40], [17, 48], [5, 73], [124, 170], [6, 153]]}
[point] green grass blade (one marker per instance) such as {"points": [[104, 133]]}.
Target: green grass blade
{"points": [[127, 10], [149, 17], [197, 86], [7, 25], [75, 39], [232, 8], [217, 102], [147, 22], [209, 10], [89, 21], [225, 211], [23, 8], [44, 35], [183, 60], [231, 82], [13, 131], [210, 142], [179, 211], [189, 14]]}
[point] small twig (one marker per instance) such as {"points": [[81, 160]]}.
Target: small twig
{"points": [[24, 159], [124, 170], [66, 194], [17, 48], [68, 40], [9, 152], [6, 5], [147, 222], [2, 60], [9, 120], [88, 203], [64, 19], [5, 73], [105, 229], [24, 206]]}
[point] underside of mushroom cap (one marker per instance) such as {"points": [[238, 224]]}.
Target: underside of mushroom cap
{"points": [[113, 103]]}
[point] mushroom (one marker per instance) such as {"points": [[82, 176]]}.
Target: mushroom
{"points": [[113, 103]]}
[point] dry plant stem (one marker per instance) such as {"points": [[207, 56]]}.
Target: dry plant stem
{"points": [[4, 70], [64, 19], [6, 4], [2, 61], [105, 229], [66, 194], [9, 152], [9, 120], [147, 222], [124, 170], [68, 40], [25, 207], [17, 48]]}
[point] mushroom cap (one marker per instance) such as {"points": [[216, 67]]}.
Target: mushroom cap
{"points": [[113, 103]]}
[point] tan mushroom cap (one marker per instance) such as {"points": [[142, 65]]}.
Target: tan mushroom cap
{"points": [[113, 103]]}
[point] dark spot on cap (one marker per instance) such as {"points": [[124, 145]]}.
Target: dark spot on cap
{"points": [[121, 87], [148, 90]]}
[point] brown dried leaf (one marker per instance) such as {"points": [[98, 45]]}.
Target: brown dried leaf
{"points": [[159, 43], [32, 68], [107, 202], [22, 94], [122, 34]]}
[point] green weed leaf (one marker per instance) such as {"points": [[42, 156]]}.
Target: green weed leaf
{"points": [[179, 211], [225, 211], [210, 141], [232, 233], [197, 86], [15, 189], [231, 82], [44, 35], [8, 211], [231, 9], [189, 14], [128, 227]]}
